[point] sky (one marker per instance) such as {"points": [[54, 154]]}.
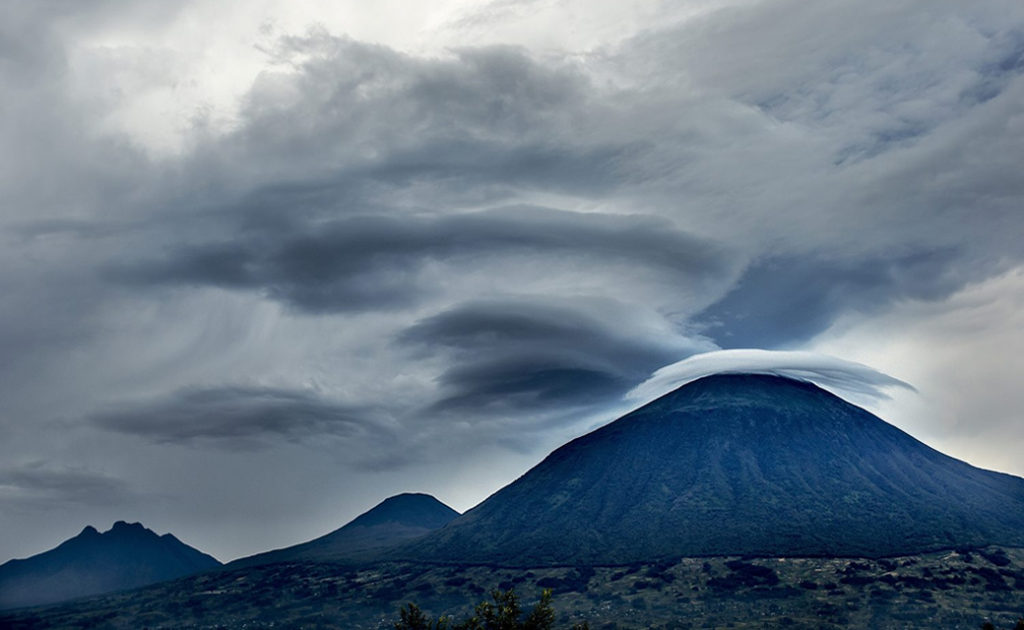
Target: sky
{"points": [[264, 264]]}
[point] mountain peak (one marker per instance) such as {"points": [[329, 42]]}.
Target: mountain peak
{"points": [[408, 508], [394, 520], [689, 473], [735, 387], [124, 527], [125, 556]]}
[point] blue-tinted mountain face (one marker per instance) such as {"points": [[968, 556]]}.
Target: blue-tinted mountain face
{"points": [[126, 556], [412, 509], [736, 464], [395, 520]]}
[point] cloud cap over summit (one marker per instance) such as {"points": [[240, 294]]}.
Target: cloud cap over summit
{"points": [[830, 372]]}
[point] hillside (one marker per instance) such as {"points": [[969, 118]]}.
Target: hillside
{"points": [[395, 520], [126, 556]]}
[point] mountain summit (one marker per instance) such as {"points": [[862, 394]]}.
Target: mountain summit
{"points": [[126, 556], [736, 464], [394, 520]]}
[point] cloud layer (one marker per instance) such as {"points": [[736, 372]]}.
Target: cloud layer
{"points": [[379, 262], [237, 417], [345, 250]]}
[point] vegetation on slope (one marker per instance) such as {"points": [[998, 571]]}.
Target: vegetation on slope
{"points": [[504, 613]]}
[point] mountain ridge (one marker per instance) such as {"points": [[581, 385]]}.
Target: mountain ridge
{"points": [[126, 556]]}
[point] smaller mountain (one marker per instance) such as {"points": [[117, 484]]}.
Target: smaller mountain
{"points": [[126, 556], [395, 520]]}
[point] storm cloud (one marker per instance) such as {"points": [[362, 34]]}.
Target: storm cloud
{"points": [[528, 353], [366, 262], [786, 300], [348, 250]]}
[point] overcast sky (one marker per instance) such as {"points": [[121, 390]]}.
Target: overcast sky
{"points": [[263, 264]]}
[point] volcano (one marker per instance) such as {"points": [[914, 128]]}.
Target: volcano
{"points": [[735, 464], [126, 556], [394, 520]]}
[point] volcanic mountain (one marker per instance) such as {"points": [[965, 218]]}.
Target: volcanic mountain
{"points": [[395, 520], [126, 556], [735, 464]]}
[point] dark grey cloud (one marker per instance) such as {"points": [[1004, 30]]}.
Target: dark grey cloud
{"points": [[373, 262], [587, 171], [519, 384], [785, 300], [532, 352], [481, 121], [238, 417], [481, 326], [40, 485]]}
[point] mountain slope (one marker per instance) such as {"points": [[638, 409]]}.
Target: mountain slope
{"points": [[735, 464], [395, 520], [126, 556]]}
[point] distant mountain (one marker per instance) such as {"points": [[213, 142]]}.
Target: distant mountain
{"points": [[395, 520], [126, 556], [735, 464]]}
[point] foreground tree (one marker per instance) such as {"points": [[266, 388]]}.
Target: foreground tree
{"points": [[504, 613], [412, 618]]}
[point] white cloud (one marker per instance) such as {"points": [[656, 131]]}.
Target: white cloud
{"points": [[833, 373]]}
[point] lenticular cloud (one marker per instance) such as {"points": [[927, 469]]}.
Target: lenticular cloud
{"points": [[829, 372]]}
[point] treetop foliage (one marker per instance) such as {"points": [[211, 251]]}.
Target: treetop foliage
{"points": [[503, 613]]}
